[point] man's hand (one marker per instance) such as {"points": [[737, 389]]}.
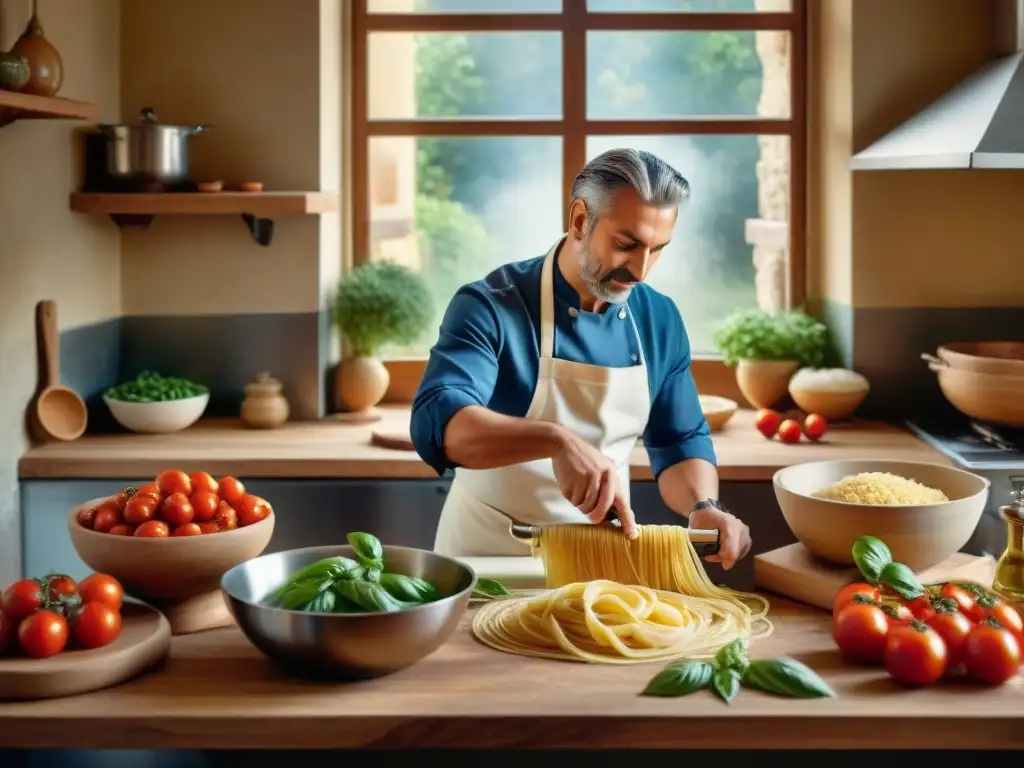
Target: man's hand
{"points": [[734, 535], [590, 481]]}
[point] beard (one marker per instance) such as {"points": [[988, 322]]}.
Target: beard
{"points": [[598, 284]]}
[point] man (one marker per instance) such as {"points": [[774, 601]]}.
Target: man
{"points": [[547, 371]]}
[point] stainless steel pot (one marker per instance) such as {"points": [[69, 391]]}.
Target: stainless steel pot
{"points": [[148, 151]]}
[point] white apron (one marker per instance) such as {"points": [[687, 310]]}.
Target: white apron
{"points": [[606, 407]]}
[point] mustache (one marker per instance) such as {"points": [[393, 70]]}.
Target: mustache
{"points": [[620, 275]]}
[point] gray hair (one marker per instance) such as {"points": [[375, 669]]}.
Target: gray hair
{"points": [[657, 182]]}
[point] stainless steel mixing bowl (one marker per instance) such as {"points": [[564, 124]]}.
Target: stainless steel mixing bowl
{"points": [[347, 646]]}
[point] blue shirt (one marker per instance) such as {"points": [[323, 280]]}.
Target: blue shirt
{"points": [[488, 349]]}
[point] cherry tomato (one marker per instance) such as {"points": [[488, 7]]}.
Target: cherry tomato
{"points": [[140, 509], [815, 426], [964, 601], [188, 529], [226, 517], [1005, 615], [101, 588], [896, 613], [251, 509], [204, 505], [22, 599], [953, 627], [43, 634], [860, 631], [922, 608], [87, 515], [177, 509], [6, 632], [154, 529], [106, 518], [61, 585], [209, 527], [789, 431], [173, 481], [95, 625], [848, 593], [992, 653], [124, 529], [149, 489], [230, 489], [203, 482], [767, 422], [915, 654], [123, 496]]}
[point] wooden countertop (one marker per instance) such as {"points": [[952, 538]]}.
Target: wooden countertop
{"points": [[217, 691], [330, 448]]}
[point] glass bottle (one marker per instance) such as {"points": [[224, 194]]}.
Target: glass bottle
{"points": [[1009, 579]]}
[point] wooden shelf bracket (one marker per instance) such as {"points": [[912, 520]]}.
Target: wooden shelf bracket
{"points": [[261, 229]]}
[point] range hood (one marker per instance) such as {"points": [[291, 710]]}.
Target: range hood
{"points": [[979, 124]]}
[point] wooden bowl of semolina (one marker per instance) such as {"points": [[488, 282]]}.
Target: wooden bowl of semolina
{"points": [[830, 504]]}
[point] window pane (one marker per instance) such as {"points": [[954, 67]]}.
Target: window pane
{"points": [[637, 75], [698, 6], [455, 208], [463, 6], [475, 74], [730, 246]]}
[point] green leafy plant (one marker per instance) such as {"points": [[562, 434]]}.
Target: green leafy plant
{"points": [[874, 561], [755, 334], [381, 303], [730, 670]]}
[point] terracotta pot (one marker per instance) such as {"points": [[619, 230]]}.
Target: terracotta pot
{"points": [[361, 383], [763, 382], [45, 66]]}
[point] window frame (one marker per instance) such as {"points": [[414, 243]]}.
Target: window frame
{"points": [[573, 127]]}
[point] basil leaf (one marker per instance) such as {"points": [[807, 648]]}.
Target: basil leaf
{"points": [[344, 605], [786, 677], [409, 589], [726, 683], [368, 549], [372, 574], [680, 679], [298, 594], [901, 580], [368, 596], [732, 656], [871, 555], [320, 570], [323, 603], [489, 588]]}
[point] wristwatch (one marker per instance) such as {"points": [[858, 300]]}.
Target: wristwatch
{"points": [[706, 503]]}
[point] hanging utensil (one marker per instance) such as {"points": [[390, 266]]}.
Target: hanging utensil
{"points": [[58, 412]]}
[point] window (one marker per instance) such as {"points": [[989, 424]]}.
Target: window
{"points": [[471, 118]]}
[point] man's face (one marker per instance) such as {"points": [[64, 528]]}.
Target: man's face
{"points": [[619, 249]]}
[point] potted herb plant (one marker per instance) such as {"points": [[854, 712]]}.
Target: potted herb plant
{"points": [[767, 348], [376, 304]]}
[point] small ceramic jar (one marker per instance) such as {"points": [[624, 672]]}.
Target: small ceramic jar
{"points": [[264, 406]]}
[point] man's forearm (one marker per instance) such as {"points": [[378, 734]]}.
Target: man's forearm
{"points": [[684, 484], [478, 438]]}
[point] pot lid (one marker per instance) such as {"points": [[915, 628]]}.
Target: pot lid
{"points": [[147, 118]]}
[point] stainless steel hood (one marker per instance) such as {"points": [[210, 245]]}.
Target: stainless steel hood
{"points": [[978, 124]]}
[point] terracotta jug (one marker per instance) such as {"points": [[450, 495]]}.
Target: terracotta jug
{"points": [[264, 407], [46, 68]]}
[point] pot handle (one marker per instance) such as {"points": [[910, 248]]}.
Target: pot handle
{"points": [[200, 128], [934, 362]]}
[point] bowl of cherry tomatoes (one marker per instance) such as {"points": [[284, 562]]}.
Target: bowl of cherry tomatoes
{"points": [[169, 542]]}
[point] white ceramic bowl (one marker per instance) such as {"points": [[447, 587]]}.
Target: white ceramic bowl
{"points": [[919, 535], [158, 418]]}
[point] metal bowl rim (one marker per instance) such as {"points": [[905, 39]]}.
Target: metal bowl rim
{"points": [[334, 547]]}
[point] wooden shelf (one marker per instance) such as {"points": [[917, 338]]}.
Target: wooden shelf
{"points": [[258, 209], [22, 106]]}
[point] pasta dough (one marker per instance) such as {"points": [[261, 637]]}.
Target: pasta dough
{"points": [[612, 600]]}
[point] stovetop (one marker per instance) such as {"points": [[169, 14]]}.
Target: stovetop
{"points": [[974, 446]]}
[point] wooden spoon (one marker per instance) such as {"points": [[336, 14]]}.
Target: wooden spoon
{"points": [[58, 412]]}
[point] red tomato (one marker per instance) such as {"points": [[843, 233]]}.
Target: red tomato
{"points": [[173, 481], [140, 509], [767, 422], [1005, 615], [953, 627], [122, 498], [149, 489], [922, 608], [964, 601], [789, 431], [154, 529], [6, 632], [106, 518], [61, 585], [992, 654], [915, 654], [22, 599], [251, 509], [95, 625], [897, 613], [188, 529], [209, 527], [815, 426], [847, 594], [101, 588], [204, 505], [43, 634], [124, 529], [203, 482], [226, 517], [230, 489], [177, 509], [87, 515], [860, 631]]}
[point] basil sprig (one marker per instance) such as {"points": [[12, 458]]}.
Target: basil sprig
{"points": [[874, 561]]}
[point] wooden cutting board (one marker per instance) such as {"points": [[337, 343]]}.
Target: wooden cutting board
{"points": [[145, 640], [795, 573], [513, 572], [395, 439]]}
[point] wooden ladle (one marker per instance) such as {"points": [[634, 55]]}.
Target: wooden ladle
{"points": [[58, 413]]}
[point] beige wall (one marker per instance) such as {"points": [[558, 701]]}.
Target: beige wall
{"points": [[47, 252]]}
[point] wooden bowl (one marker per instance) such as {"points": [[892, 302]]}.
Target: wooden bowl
{"points": [[999, 357], [178, 575], [996, 398], [832, 404], [919, 535], [210, 187], [717, 410]]}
